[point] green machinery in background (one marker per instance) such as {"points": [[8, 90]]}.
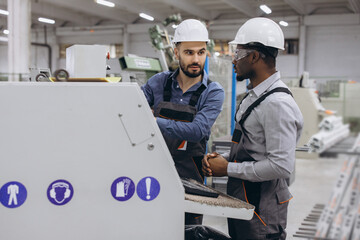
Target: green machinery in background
{"points": [[161, 40], [138, 69]]}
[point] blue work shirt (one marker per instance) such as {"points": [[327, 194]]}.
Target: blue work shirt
{"points": [[208, 107]]}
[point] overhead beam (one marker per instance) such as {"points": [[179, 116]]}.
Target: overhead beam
{"points": [[189, 7], [90, 7], [136, 8], [242, 6], [297, 5], [51, 11], [355, 5]]}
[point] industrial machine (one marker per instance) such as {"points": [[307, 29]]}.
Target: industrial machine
{"points": [[88, 161], [322, 128], [138, 69], [161, 40], [39, 74]]}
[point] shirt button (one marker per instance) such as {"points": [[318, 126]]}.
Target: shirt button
{"points": [[250, 95], [177, 86], [180, 100], [241, 111]]}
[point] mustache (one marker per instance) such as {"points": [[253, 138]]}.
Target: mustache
{"points": [[194, 65]]}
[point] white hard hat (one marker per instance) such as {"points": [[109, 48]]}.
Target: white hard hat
{"points": [[191, 30], [260, 30]]}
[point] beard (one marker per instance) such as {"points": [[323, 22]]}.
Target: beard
{"points": [[184, 68], [240, 78], [247, 75]]}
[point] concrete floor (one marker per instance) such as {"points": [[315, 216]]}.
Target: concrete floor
{"points": [[314, 181]]}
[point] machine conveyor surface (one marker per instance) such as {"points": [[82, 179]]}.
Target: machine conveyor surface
{"points": [[222, 206]]}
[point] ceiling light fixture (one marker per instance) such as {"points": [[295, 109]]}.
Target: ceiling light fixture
{"points": [[147, 17], [105, 3], [283, 23], [4, 12], [6, 31], [265, 9], [46, 20], [174, 26]]}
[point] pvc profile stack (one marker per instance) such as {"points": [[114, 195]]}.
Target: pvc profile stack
{"points": [[340, 218], [332, 130]]}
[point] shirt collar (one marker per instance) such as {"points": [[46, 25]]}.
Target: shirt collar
{"points": [[203, 81], [264, 85]]}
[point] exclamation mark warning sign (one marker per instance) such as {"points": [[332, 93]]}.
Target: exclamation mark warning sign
{"points": [[148, 188], [148, 185]]}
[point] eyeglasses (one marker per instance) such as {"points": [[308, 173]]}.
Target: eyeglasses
{"points": [[241, 53]]}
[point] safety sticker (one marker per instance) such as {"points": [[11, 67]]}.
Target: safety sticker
{"points": [[122, 189], [183, 146], [148, 188], [60, 192], [13, 194]]}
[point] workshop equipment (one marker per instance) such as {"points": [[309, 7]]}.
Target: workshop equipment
{"points": [[88, 161], [138, 69], [39, 74], [161, 41], [86, 61]]}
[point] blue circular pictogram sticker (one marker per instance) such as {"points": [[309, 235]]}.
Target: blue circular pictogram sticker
{"points": [[122, 189], [13, 194], [60, 192], [148, 188]]}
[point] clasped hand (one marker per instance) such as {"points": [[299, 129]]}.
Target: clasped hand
{"points": [[213, 164]]}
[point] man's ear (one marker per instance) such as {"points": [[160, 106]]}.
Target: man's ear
{"points": [[256, 57]]}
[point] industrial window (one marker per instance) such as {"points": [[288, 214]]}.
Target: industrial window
{"points": [[291, 47]]}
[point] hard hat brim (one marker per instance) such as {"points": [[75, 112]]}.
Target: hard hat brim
{"points": [[234, 42], [207, 41]]}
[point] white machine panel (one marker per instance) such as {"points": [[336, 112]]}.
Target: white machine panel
{"points": [[84, 136], [86, 61]]}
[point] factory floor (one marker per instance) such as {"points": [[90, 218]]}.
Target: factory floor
{"points": [[314, 181]]}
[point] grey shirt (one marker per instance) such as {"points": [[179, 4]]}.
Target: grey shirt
{"points": [[273, 129]]}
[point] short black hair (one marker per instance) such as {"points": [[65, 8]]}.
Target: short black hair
{"points": [[269, 53]]}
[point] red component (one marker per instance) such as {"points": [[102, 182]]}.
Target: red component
{"points": [[108, 55]]}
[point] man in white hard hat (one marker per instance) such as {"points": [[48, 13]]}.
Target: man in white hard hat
{"points": [[186, 103], [268, 126]]}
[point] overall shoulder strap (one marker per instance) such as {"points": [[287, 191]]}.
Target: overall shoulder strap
{"points": [[257, 102], [167, 88], [196, 95], [237, 109]]}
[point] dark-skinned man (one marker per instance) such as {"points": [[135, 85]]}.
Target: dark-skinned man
{"points": [[268, 126], [186, 103]]}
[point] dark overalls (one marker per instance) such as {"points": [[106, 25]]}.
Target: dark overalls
{"points": [[270, 198], [186, 155]]}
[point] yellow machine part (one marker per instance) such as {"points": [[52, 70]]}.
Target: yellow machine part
{"points": [[107, 79]]}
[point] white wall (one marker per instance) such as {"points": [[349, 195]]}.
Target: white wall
{"points": [[38, 57], [3, 58], [333, 51], [140, 44], [287, 65]]}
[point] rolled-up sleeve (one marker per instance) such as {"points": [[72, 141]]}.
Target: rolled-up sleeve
{"points": [[281, 124], [210, 108]]}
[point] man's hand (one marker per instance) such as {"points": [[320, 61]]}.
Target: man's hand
{"points": [[205, 163], [215, 165]]}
